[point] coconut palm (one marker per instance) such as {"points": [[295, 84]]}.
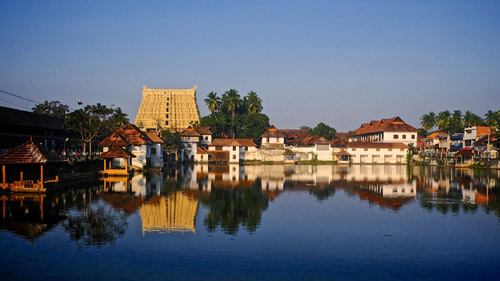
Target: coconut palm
{"points": [[231, 101], [443, 120], [491, 118], [213, 103], [428, 121], [471, 119], [456, 122], [253, 102]]}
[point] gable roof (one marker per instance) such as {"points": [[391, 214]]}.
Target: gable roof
{"points": [[434, 135], [116, 152], [154, 137], [233, 142], [200, 150], [219, 156], [394, 124], [272, 132], [26, 153], [190, 132], [203, 130], [483, 131], [129, 134]]}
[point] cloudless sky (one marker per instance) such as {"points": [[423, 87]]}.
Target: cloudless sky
{"points": [[338, 62]]}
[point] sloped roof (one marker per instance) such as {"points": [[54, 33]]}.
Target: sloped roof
{"points": [[200, 151], [203, 130], [128, 135], [394, 124], [343, 153], [272, 132], [464, 152], [31, 119], [154, 137], [233, 142], [190, 132], [295, 134], [394, 145], [219, 156], [322, 140], [26, 153], [116, 152], [483, 131], [434, 135]]}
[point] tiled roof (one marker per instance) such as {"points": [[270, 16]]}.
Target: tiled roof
{"points": [[26, 153], [343, 153], [395, 124], [130, 135], [116, 152], [322, 140], [154, 137], [233, 142], [464, 152], [295, 134], [219, 156], [200, 151], [376, 145], [272, 132], [483, 131], [434, 135], [190, 132], [203, 130]]}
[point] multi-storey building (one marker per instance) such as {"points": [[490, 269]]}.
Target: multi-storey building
{"points": [[386, 130]]}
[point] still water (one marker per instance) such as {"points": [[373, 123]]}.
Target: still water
{"points": [[260, 222]]}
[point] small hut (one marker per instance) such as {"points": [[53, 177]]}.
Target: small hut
{"points": [[344, 156], [117, 153], [25, 154]]}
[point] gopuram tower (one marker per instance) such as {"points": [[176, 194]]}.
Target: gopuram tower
{"points": [[172, 109]]}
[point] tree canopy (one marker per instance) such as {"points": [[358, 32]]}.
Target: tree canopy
{"points": [[455, 122], [53, 108]]}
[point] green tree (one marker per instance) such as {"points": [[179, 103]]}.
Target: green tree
{"points": [[231, 101], [471, 119], [456, 122], [171, 139], [53, 108], [90, 122], [428, 121], [252, 125], [443, 120], [306, 128], [213, 103], [119, 118], [253, 102], [324, 130], [492, 119]]}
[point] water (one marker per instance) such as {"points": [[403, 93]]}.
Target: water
{"points": [[261, 222]]}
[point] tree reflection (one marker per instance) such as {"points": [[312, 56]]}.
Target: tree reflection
{"points": [[230, 207], [323, 192], [95, 227]]}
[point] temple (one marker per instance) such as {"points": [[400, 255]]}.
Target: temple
{"points": [[172, 109]]}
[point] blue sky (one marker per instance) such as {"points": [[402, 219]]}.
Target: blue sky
{"points": [[338, 62]]}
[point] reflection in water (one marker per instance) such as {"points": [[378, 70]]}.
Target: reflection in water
{"points": [[235, 197], [175, 212]]}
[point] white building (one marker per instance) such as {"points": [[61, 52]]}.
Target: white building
{"points": [[391, 130]]}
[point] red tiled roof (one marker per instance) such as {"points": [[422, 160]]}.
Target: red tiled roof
{"points": [[130, 134], [322, 140], [116, 152], [190, 132], [272, 132], [483, 131], [295, 134], [344, 153], [26, 153], [154, 137], [395, 124], [464, 152], [434, 135], [219, 156], [377, 145], [203, 130], [233, 142], [200, 151]]}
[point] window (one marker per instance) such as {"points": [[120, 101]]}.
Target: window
{"points": [[167, 116], [412, 137], [396, 137], [234, 148], [267, 140], [153, 150], [401, 149], [168, 104], [353, 149], [390, 149], [166, 123], [206, 137], [378, 149], [234, 156], [366, 149], [404, 137], [201, 157], [246, 148], [167, 109]]}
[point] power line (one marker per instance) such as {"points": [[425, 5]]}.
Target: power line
{"points": [[20, 97], [15, 104]]}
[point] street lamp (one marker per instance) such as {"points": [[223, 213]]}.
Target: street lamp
{"points": [[64, 147]]}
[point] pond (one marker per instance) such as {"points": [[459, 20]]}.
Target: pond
{"points": [[236, 222]]}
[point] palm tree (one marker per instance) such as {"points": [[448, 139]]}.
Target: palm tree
{"points": [[443, 120], [491, 118], [456, 121], [471, 119], [232, 101], [428, 121], [119, 118], [253, 102], [213, 103]]}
